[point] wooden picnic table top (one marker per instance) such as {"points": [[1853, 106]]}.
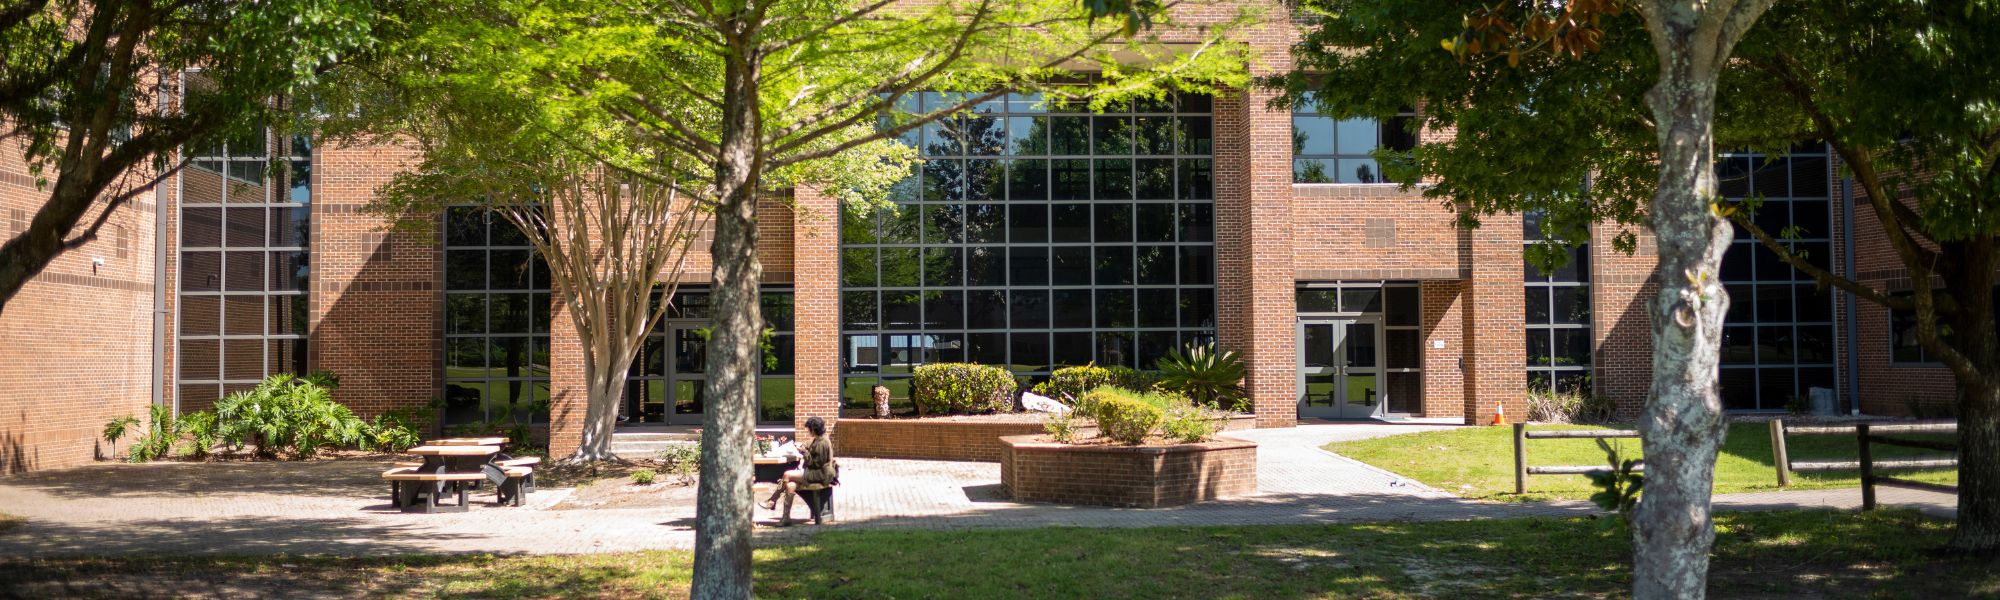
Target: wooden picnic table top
{"points": [[770, 460], [467, 441], [455, 450]]}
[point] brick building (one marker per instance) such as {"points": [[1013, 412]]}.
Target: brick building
{"points": [[1034, 236]]}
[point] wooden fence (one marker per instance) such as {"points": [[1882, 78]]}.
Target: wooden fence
{"points": [[1867, 435], [1522, 435]]}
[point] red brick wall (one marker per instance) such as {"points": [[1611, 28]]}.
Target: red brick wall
{"points": [[1495, 365], [1331, 238], [1621, 329], [930, 439], [76, 342], [1135, 477], [815, 253], [1443, 320], [1887, 388], [377, 296]]}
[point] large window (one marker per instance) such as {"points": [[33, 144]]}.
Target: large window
{"points": [[1330, 150], [1558, 318], [496, 321], [245, 213], [1035, 236], [1778, 342]]}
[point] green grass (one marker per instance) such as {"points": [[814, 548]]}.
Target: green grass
{"points": [[1478, 462], [9, 522], [1793, 554]]}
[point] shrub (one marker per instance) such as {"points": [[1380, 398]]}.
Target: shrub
{"points": [[1205, 375], [961, 388], [1126, 417], [116, 430], [1567, 406], [682, 460], [285, 413], [1069, 384], [1188, 423], [644, 476], [1060, 425], [158, 440], [201, 433]]}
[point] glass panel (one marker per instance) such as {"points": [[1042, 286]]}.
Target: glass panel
{"points": [[465, 313], [985, 266], [1069, 223], [1405, 392], [1114, 308], [1070, 265], [243, 315], [288, 315], [1115, 348], [1156, 307], [986, 309], [1113, 179], [901, 309], [201, 227], [1401, 305], [1072, 310], [690, 350], [1320, 391], [774, 399], [243, 359], [245, 227], [1361, 300], [245, 272], [900, 267], [1028, 223], [688, 396], [857, 266], [1198, 308], [201, 360], [1405, 348], [290, 271], [944, 223], [1029, 309], [1114, 265], [1028, 265], [201, 315], [201, 271], [1360, 344], [1316, 346], [1155, 222], [1362, 394]]}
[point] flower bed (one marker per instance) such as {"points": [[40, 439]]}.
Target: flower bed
{"points": [[1035, 469]]}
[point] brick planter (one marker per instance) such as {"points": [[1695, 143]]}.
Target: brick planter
{"points": [[1127, 476]]}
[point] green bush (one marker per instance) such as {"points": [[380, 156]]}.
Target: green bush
{"points": [[961, 388], [1567, 406], [644, 476], [1069, 384], [158, 440], [682, 460], [201, 433], [116, 430], [1060, 425], [1205, 375], [287, 414], [1125, 416], [1188, 423]]}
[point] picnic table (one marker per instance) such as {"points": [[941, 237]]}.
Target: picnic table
{"points": [[770, 469], [449, 469], [467, 441]]}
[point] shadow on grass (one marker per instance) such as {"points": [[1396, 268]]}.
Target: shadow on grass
{"points": [[180, 480]]}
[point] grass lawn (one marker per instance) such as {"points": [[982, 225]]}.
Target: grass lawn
{"points": [[1478, 462], [1806, 553]]}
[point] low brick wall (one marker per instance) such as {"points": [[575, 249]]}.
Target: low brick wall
{"points": [[940, 438], [1127, 476]]}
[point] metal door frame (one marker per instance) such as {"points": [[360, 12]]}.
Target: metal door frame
{"points": [[1343, 408]]}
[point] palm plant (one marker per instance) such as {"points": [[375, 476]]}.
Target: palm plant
{"points": [[116, 430], [1208, 376]]}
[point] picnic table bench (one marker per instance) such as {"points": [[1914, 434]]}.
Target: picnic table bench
{"points": [[453, 468]]}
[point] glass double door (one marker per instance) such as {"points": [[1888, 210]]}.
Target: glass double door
{"points": [[1340, 368], [669, 381]]}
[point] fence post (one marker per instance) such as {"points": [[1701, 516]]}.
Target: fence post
{"points": [[1520, 458], [1779, 454], [1867, 468]]}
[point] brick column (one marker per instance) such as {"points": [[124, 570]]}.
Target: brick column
{"points": [[1255, 308], [1495, 345], [1443, 320], [1620, 287], [569, 386], [377, 296], [816, 306]]}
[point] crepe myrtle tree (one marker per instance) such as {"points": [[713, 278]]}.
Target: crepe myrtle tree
{"points": [[770, 94], [1537, 92], [93, 94]]}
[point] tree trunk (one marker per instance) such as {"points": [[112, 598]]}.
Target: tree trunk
{"points": [[1682, 422], [723, 503], [600, 414], [1978, 529]]}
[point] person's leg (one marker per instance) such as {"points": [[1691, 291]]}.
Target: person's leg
{"points": [[792, 478]]}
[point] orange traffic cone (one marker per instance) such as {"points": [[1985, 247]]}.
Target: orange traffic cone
{"points": [[1499, 414]]}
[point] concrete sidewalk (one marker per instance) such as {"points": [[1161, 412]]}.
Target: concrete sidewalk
{"points": [[341, 507]]}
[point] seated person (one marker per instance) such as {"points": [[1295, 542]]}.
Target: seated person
{"points": [[815, 467]]}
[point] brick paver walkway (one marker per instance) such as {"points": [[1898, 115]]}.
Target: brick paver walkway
{"points": [[341, 506]]}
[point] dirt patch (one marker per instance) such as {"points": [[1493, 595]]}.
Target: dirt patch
{"points": [[622, 493], [10, 522]]}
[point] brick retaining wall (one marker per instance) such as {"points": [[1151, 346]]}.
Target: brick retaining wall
{"points": [[1127, 476], [948, 438]]}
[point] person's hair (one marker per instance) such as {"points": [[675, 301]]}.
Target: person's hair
{"points": [[817, 426]]}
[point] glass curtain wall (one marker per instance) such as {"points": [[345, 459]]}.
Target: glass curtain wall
{"points": [[1558, 317], [496, 310], [1034, 235], [245, 214], [1778, 343], [1330, 150], [666, 380]]}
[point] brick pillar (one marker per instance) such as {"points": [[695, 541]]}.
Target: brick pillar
{"points": [[1255, 308], [1495, 346], [569, 386], [377, 296], [816, 302], [1620, 288], [1443, 320]]}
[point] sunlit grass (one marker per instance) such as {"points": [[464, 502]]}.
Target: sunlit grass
{"points": [[1478, 462]]}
